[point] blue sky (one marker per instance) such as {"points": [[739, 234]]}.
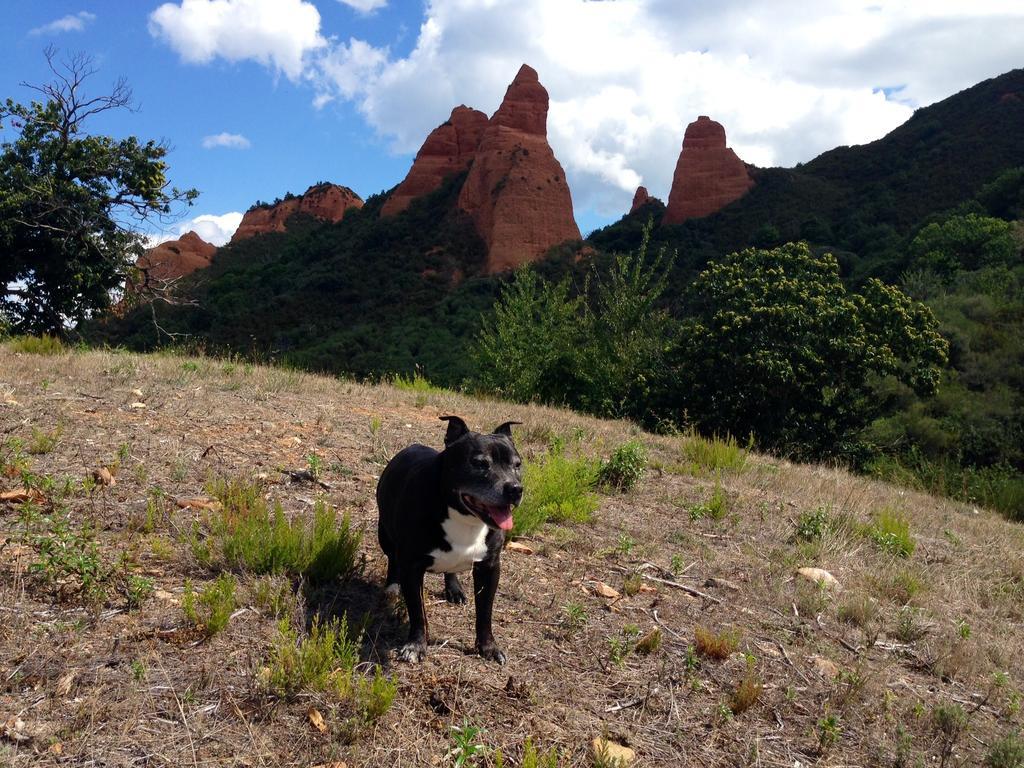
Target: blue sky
{"points": [[346, 90]]}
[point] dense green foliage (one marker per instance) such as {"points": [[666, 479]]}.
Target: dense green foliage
{"points": [[773, 345], [65, 199], [366, 296], [602, 350]]}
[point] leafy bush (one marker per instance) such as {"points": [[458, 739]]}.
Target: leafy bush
{"points": [[812, 525], [625, 468], [715, 508], [247, 534], [556, 489]]}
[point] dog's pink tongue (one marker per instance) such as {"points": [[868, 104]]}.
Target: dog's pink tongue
{"points": [[503, 517]]}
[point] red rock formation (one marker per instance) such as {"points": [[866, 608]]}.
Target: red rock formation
{"points": [[175, 258], [448, 149], [516, 191], [708, 174], [641, 198], [323, 201]]}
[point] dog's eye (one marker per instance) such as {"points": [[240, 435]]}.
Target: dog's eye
{"points": [[480, 463]]}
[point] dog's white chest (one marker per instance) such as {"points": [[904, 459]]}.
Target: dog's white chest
{"points": [[468, 539]]}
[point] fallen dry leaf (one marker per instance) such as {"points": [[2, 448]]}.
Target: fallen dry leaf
{"points": [[14, 729], [65, 682], [137, 406], [21, 495], [316, 719], [647, 588], [210, 504], [104, 476], [602, 589], [516, 546], [335, 764], [819, 576]]}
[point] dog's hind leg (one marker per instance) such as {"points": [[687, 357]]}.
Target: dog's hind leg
{"points": [[393, 581], [453, 590]]}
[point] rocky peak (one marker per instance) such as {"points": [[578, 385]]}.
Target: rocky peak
{"points": [[641, 198], [449, 149], [323, 201], [525, 106], [174, 259], [708, 174], [516, 192]]}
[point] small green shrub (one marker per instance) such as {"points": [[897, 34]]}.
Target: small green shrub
{"points": [[812, 525], [211, 609], [374, 695], [38, 345], [890, 531], [321, 661], [715, 508], [44, 442], [416, 383], [707, 455], [1007, 752], [248, 535], [556, 489], [625, 468]]}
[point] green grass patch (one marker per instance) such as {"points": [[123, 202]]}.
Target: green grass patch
{"points": [[210, 609], [890, 531], [709, 455], [557, 489], [812, 525], [38, 345], [625, 468], [715, 508], [325, 661], [249, 534], [416, 383]]}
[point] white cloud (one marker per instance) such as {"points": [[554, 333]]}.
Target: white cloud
{"points": [[228, 140], [211, 227], [365, 6], [787, 79], [73, 22], [279, 34]]}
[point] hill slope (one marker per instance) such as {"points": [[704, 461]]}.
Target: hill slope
{"points": [[715, 536]]}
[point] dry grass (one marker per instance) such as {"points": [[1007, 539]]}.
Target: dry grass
{"points": [[105, 684]]}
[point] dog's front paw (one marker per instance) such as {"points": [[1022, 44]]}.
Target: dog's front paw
{"points": [[454, 594], [414, 653], [491, 652]]}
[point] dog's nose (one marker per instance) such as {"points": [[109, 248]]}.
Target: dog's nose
{"points": [[513, 492]]}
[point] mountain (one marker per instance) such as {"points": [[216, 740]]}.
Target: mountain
{"points": [[173, 259], [324, 201], [449, 149], [516, 192], [860, 201], [372, 293], [708, 174]]}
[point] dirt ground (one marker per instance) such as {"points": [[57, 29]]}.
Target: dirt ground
{"points": [[907, 661]]}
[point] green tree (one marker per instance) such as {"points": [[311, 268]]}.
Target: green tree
{"points": [[601, 351], [69, 200], [963, 243], [776, 347]]}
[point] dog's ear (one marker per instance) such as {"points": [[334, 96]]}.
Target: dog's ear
{"points": [[456, 429], [506, 428]]}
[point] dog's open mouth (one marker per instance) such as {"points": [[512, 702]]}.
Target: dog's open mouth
{"points": [[501, 514]]}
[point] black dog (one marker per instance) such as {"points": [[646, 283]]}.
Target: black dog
{"points": [[447, 512]]}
